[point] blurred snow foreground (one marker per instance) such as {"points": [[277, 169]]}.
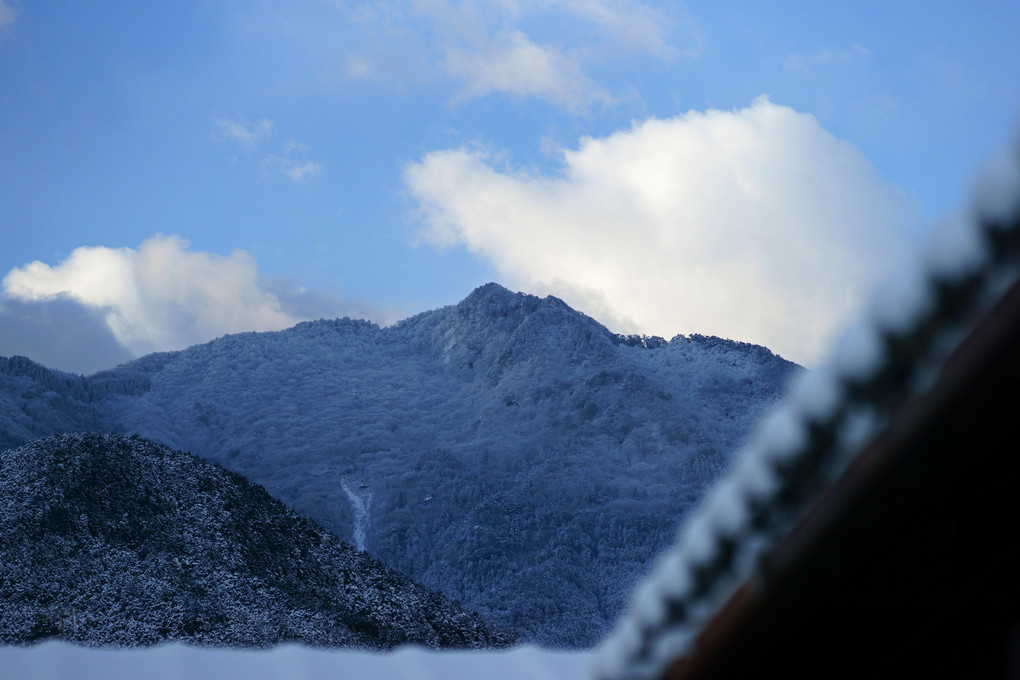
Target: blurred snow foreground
{"points": [[802, 448], [60, 661]]}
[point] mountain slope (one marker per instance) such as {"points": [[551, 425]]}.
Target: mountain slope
{"points": [[508, 451], [147, 544], [37, 402]]}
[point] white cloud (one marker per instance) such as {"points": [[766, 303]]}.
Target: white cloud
{"points": [[246, 134], [297, 170], [635, 25], [489, 45], [159, 297], [251, 136], [294, 163], [6, 14], [754, 224], [515, 65]]}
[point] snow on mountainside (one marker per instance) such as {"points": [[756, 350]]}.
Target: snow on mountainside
{"points": [[508, 451], [37, 402], [147, 545]]}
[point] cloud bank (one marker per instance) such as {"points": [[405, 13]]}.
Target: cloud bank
{"points": [[61, 334], [754, 224], [159, 297], [102, 306]]}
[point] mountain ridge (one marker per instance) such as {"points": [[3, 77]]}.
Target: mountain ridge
{"points": [[510, 451]]}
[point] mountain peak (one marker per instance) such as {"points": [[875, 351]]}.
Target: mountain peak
{"points": [[490, 295], [495, 300]]}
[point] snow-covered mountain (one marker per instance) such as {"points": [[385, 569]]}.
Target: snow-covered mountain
{"points": [[124, 541], [508, 451]]}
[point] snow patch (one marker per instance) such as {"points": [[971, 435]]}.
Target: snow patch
{"points": [[360, 497], [61, 661]]}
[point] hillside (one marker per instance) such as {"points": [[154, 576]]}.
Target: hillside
{"points": [[37, 402], [147, 545], [508, 451]]}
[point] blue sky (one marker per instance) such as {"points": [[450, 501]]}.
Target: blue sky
{"points": [[181, 170]]}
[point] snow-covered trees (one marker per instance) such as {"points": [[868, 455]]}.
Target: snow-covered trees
{"points": [[530, 428], [146, 545]]}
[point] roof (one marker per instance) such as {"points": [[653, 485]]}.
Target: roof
{"points": [[846, 534]]}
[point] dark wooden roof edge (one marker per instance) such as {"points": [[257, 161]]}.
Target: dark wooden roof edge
{"points": [[961, 421]]}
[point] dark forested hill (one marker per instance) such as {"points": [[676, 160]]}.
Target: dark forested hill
{"points": [[144, 544], [508, 451]]}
